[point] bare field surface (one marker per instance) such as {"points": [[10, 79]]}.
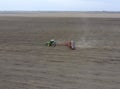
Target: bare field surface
{"points": [[25, 63], [63, 14]]}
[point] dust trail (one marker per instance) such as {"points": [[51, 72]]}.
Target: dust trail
{"points": [[86, 43], [84, 40]]}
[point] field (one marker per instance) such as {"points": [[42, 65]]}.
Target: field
{"points": [[26, 63]]}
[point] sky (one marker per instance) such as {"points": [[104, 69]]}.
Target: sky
{"points": [[60, 5]]}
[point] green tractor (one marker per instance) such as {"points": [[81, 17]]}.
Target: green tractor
{"points": [[69, 44], [51, 43]]}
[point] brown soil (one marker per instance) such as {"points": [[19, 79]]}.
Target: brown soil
{"points": [[26, 63]]}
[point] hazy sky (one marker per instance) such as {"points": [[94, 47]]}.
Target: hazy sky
{"points": [[60, 5]]}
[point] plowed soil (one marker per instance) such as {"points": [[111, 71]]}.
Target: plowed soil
{"points": [[26, 63]]}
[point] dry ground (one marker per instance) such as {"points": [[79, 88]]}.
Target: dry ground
{"points": [[25, 63]]}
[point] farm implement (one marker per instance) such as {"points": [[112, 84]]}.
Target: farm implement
{"points": [[69, 44]]}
